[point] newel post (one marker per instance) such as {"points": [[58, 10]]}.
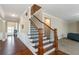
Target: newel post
{"points": [[40, 42], [55, 40]]}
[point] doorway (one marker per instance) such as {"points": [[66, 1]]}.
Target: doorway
{"points": [[12, 28], [47, 30], [10, 31]]}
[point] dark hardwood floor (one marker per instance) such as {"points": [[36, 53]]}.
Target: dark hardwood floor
{"points": [[13, 46]]}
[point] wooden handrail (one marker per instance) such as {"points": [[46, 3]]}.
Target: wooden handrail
{"points": [[40, 39], [55, 34], [43, 23]]}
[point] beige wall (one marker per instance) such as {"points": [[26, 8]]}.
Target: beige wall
{"points": [[73, 27], [2, 26]]}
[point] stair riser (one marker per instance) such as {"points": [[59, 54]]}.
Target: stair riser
{"points": [[34, 37], [33, 44], [44, 38], [46, 46]]}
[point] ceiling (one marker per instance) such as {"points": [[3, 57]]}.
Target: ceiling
{"points": [[64, 11], [14, 11]]}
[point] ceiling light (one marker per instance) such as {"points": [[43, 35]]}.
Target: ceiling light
{"points": [[13, 15]]}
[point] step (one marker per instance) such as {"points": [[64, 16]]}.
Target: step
{"points": [[44, 42], [45, 46], [32, 27], [34, 33], [49, 51], [36, 40], [34, 30], [33, 37], [31, 33], [49, 48]]}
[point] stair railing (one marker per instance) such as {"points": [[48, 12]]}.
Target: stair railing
{"points": [[40, 39], [55, 45]]}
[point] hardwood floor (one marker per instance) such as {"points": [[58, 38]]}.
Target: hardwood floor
{"points": [[13, 46]]}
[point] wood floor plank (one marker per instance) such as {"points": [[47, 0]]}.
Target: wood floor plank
{"points": [[13, 46]]}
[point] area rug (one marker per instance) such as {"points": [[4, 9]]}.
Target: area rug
{"points": [[69, 46]]}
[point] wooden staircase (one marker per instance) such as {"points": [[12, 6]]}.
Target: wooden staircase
{"points": [[40, 42]]}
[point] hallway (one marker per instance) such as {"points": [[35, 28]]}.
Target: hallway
{"points": [[13, 46]]}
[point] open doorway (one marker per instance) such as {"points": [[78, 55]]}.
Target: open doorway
{"points": [[47, 30], [12, 28], [10, 31]]}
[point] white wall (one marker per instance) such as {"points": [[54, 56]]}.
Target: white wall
{"points": [[23, 32], [1, 12], [24, 21], [2, 29]]}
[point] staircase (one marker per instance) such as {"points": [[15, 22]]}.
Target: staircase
{"points": [[33, 36], [39, 40]]}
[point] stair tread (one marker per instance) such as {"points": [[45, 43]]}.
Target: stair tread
{"points": [[37, 41], [33, 34], [49, 48], [43, 44], [33, 37]]}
